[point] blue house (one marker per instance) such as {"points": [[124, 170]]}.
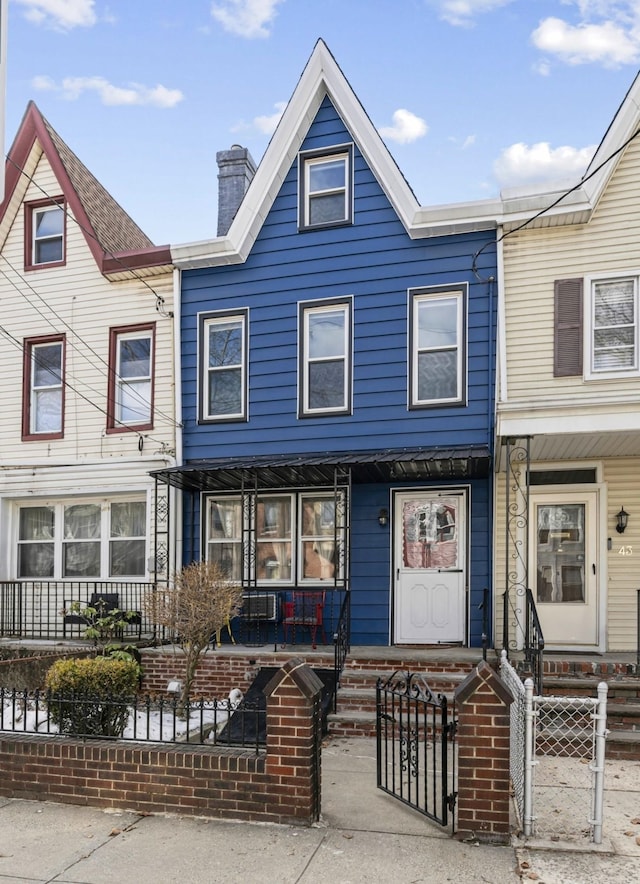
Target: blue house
{"points": [[337, 383]]}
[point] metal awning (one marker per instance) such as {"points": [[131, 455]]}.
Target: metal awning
{"points": [[299, 470]]}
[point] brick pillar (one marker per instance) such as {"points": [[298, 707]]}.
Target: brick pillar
{"points": [[483, 806], [294, 723]]}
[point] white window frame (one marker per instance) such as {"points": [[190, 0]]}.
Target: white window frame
{"points": [[58, 540], [296, 539], [122, 384], [306, 361], [307, 160], [417, 297], [34, 390], [591, 373], [37, 211], [206, 372]]}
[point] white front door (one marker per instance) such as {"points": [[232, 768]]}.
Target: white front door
{"points": [[564, 576], [430, 567]]}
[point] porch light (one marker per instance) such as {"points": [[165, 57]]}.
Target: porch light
{"points": [[383, 517], [622, 519]]}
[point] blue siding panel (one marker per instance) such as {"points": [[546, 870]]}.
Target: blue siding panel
{"points": [[374, 262]]}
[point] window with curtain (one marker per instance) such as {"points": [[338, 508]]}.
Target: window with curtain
{"points": [[88, 540], [297, 538]]}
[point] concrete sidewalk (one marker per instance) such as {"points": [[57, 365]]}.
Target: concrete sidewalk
{"points": [[364, 836]]}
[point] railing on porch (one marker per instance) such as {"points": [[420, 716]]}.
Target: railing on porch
{"points": [[40, 609], [341, 644], [528, 636], [33, 609]]}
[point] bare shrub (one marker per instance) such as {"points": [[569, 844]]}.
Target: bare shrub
{"points": [[200, 601]]}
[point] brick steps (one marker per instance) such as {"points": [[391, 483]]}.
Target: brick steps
{"points": [[356, 700]]}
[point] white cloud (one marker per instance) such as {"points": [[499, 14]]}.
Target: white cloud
{"points": [[247, 18], [61, 15], [72, 88], [461, 13], [608, 43], [524, 164], [267, 124], [407, 127], [469, 141]]}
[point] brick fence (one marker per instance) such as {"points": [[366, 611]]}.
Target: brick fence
{"points": [[281, 785], [484, 801]]}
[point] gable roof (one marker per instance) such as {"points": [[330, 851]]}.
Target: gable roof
{"points": [[115, 240], [582, 196], [322, 77]]}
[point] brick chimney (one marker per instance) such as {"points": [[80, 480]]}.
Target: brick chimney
{"points": [[236, 170]]}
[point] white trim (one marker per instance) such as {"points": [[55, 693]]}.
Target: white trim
{"points": [[418, 295], [322, 77], [590, 373], [331, 305]]}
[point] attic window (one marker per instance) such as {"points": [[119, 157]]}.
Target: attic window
{"points": [[44, 233], [325, 187]]}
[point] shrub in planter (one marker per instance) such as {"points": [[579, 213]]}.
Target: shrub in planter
{"points": [[90, 697]]}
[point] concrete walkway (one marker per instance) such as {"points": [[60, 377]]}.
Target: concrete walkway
{"points": [[364, 836]]}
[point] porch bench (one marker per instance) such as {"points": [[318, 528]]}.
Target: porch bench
{"points": [[103, 601]]}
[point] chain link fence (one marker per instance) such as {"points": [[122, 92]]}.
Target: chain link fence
{"points": [[557, 761]]}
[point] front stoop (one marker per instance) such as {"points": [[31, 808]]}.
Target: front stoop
{"points": [[443, 670]]}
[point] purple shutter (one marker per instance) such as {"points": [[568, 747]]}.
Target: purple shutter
{"points": [[567, 344]]}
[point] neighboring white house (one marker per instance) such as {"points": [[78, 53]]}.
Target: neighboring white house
{"points": [[86, 380], [569, 389]]}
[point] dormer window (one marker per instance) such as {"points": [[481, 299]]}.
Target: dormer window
{"points": [[44, 234], [325, 187]]}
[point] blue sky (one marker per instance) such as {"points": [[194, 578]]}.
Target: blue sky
{"points": [[470, 96]]}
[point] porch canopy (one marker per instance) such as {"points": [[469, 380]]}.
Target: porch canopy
{"points": [[362, 467]]}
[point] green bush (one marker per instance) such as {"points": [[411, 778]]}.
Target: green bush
{"points": [[90, 697]]}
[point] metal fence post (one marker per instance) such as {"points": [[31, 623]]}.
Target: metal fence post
{"points": [[600, 717], [529, 738]]}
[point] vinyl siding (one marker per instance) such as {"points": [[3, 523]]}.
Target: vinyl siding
{"points": [[372, 261], [610, 242], [77, 301]]}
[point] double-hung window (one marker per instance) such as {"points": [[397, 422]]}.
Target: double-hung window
{"points": [[437, 345], [82, 540], [325, 187], [44, 233], [131, 366], [325, 360], [298, 538], [43, 388], [223, 366], [613, 336]]}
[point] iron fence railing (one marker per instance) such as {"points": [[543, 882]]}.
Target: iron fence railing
{"points": [[521, 630], [341, 642], [44, 609], [140, 719]]}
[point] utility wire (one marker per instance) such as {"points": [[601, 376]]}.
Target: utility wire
{"points": [[110, 373], [63, 207], [69, 386], [553, 204]]}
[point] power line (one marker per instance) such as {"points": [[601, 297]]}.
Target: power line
{"points": [[553, 204], [111, 373], [63, 207], [77, 392]]}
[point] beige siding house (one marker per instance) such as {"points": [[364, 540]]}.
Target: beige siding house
{"points": [[568, 404], [86, 384]]}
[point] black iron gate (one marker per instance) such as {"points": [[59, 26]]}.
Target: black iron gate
{"points": [[416, 746]]}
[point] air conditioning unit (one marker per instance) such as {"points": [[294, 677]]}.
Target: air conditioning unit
{"points": [[259, 606]]}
